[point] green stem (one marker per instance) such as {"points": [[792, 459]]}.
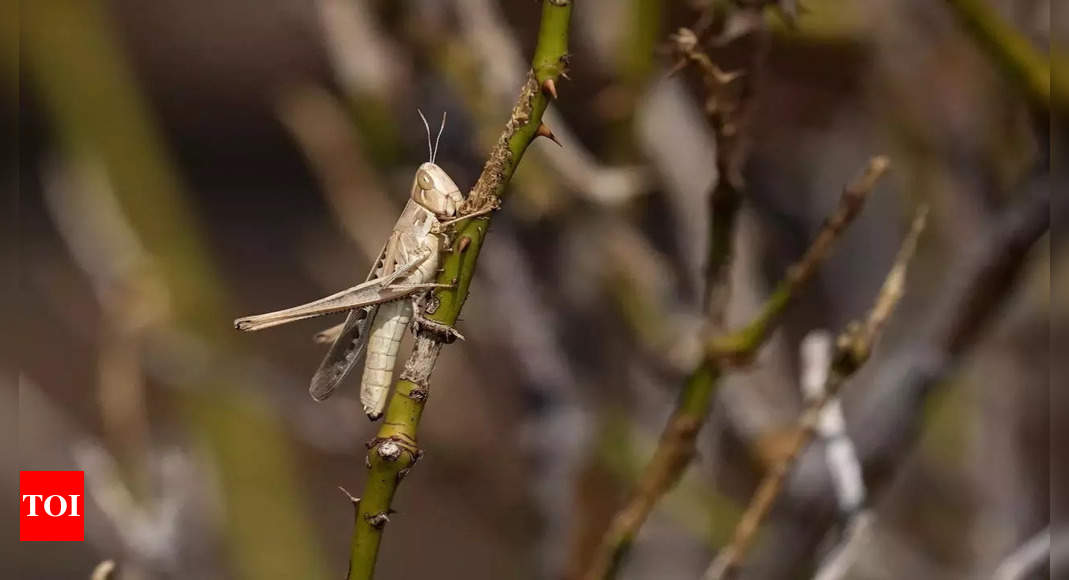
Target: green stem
{"points": [[1013, 53], [395, 450], [852, 349], [741, 344], [676, 448]]}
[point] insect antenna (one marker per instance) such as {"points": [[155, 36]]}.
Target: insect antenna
{"points": [[430, 150], [434, 154]]}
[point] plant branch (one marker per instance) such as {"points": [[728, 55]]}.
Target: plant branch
{"points": [[743, 343], [889, 418], [1013, 53], [851, 351], [729, 97], [676, 447], [395, 450]]}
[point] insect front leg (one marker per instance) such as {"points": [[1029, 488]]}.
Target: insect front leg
{"points": [[483, 211], [421, 322]]}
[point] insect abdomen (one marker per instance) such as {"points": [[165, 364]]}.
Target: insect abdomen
{"points": [[383, 343]]}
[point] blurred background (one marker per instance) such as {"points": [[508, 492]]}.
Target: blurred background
{"points": [[183, 163]]}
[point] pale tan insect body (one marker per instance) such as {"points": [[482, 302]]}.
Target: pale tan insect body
{"points": [[380, 308], [384, 338]]}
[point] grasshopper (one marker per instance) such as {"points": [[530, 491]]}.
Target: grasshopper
{"points": [[381, 307]]}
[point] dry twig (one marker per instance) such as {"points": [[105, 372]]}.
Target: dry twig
{"points": [[725, 111], [852, 350], [728, 101], [975, 291], [676, 448]]}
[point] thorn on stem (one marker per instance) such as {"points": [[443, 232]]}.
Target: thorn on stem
{"points": [[549, 87], [355, 500], [543, 131]]}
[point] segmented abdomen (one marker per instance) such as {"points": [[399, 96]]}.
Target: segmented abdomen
{"points": [[383, 342], [389, 326]]}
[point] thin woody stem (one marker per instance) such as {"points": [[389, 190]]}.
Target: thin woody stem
{"points": [[976, 290], [676, 448], [395, 449], [852, 350], [728, 101], [742, 343]]}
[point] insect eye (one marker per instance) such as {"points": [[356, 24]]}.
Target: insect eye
{"points": [[424, 181]]}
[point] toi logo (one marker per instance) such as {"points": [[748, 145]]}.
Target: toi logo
{"points": [[51, 506]]}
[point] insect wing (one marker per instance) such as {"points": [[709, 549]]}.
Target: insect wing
{"points": [[347, 352]]}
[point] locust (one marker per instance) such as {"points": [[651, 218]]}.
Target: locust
{"points": [[380, 308]]}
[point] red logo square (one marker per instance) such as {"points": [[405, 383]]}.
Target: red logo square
{"points": [[51, 506]]}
